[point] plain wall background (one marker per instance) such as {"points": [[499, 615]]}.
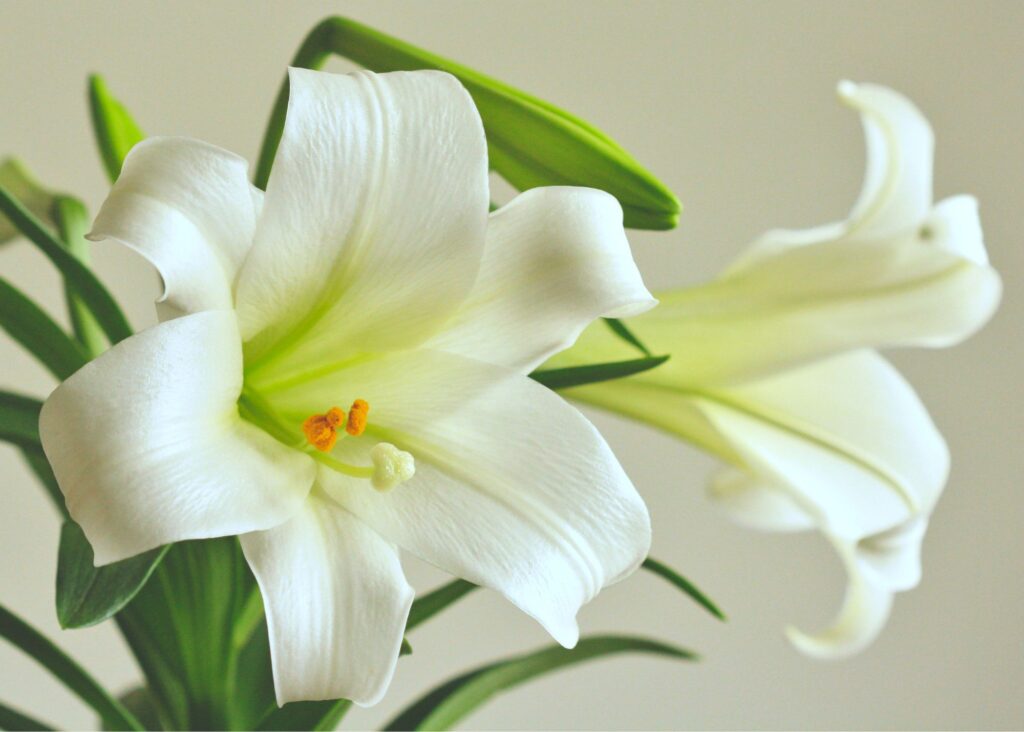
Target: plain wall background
{"points": [[732, 104]]}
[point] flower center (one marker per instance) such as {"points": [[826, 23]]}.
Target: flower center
{"points": [[391, 466], [321, 430]]}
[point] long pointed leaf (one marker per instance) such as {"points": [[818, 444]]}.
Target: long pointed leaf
{"points": [[72, 220], [30, 326], [16, 178], [443, 707], [93, 293], [425, 607], [570, 376], [314, 715], [622, 331], [531, 142], [86, 594], [672, 576], [37, 461], [19, 419], [73, 676], [12, 719], [115, 130]]}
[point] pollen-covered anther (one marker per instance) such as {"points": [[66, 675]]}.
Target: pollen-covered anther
{"points": [[356, 424], [391, 466], [321, 430]]}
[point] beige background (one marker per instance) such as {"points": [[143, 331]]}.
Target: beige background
{"points": [[733, 106]]}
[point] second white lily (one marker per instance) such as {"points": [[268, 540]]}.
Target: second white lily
{"points": [[769, 370]]}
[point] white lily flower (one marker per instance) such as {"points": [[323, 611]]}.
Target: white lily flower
{"points": [[769, 371], [370, 274]]}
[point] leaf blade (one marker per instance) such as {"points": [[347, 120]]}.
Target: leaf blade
{"points": [[570, 376], [86, 594], [16, 178], [30, 326], [72, 221], [74, 677], [425, 607], [13, 720], [102, 304], [679, 581], [452, 701], [113, 127]]}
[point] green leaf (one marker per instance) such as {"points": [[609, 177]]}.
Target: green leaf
{"points": [[115, 130], [19, 419], [619, 328], [180, 626], [667, 573], [139, 701], [12, 719], [16, 178], [30, 326], [531, 142], [76, 274], [87, 594], [570, 376], [37, 461], [424, 608], [311, 715], [72, 220], [54, 660], [452, 701]]}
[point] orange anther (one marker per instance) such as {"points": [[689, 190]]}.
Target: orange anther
{"points": [[357, 418], [320, 429]]}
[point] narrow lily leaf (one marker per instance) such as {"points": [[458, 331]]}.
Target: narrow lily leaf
{"points": [[312, 715], [87, 595], [592, 373], [115, 130], [12, 719], [30, 326], [447, 704], [424, 608], [179, 626], [41, 467], [72, 220], [139, 701], [531, 142], [54, 660], [76, 274], [19, 419], [666, 572], [16, 179], [619, 328]]}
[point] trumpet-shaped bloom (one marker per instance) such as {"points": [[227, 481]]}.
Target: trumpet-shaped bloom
{"points": [[771, 369], [341, 371]]}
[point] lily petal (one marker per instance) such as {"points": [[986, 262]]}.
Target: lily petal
{"points": [[863, 615], [555, 259], [897, 190], [816, 301], [336, 602], [751, 501], [148, 447], [895, 555], [513, 489], [859, 459], [188, 208], [373, 224]]}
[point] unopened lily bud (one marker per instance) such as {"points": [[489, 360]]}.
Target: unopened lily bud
{"points": [[530, 142]]}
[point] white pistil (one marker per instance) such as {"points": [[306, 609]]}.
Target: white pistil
{"points": [[391, 466]]}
